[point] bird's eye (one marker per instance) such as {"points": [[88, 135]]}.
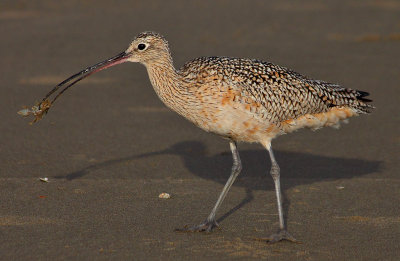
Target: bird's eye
{"points": [[141, 46]]}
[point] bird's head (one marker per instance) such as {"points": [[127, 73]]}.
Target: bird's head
{"points": [[148, 47]]}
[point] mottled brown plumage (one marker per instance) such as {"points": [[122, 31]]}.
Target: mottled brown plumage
{"points": [[244, 99], [271, 93]]}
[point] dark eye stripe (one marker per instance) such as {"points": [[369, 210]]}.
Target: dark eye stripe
{"points": [[141, 46]]}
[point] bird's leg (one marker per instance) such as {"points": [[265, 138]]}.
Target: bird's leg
{"points": [[210, 222], [275, 173]]}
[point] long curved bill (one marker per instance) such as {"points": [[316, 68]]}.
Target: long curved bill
{"points": [[39, 110]]}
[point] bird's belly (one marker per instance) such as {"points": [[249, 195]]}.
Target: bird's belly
{"points": [[236, 123]]}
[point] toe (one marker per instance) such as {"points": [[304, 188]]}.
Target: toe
{"points": [[280, 236], [207, 226]]}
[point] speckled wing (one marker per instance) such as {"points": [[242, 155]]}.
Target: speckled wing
{"points": [[281, 93]]}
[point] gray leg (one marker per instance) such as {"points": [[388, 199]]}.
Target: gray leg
{"points": [[210, 222], [275, 173]]}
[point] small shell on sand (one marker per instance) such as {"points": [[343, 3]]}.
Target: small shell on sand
{"points": [[164, 195]]}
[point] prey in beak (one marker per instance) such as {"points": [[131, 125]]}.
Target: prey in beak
{"points": [[39, 110]]}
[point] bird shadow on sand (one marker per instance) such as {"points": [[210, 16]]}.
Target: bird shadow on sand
{"points": [[305, 168]]}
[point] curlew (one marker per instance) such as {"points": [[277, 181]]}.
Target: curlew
{"points": [[241, 100]]}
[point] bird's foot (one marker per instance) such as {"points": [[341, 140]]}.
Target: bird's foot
{"points": [[280, 236], [207, 226]]}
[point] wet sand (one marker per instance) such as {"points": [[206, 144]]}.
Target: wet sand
{"points": [[109, 147]]}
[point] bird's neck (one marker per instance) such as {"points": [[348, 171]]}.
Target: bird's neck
{"points": [[167, 83]]}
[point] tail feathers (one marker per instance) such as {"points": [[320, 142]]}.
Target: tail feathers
{"points": [[362, 104], [354, 99], [361, 96]]}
